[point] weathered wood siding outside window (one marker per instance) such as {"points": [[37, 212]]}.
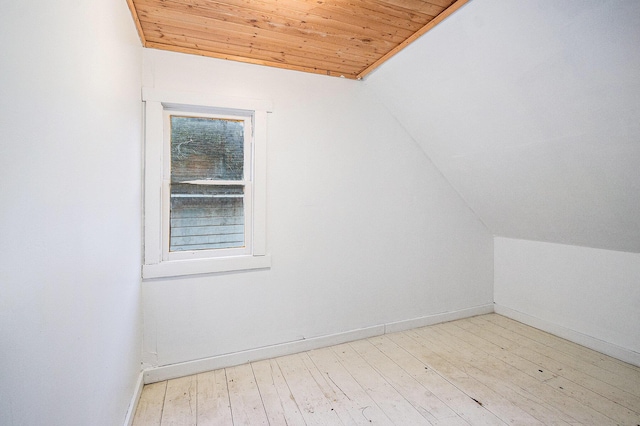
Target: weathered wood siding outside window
{"points": [[206, 215]]}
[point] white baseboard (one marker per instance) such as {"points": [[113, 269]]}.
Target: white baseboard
{"points": [[131, 411], [601, 346], [165, 372], [188, 368], [438, 318]]}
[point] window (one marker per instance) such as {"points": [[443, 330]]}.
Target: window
{"points": [[204, 184], [209, 185]]}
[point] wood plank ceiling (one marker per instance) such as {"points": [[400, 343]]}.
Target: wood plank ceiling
{"points": [[344, 38]]}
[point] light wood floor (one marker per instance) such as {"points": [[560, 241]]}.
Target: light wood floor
{"points": [[481, 370]]}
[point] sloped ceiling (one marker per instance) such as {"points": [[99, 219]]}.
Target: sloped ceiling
{"points": [[344, 38], [531, 110]]}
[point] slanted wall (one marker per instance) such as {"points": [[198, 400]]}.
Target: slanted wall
{"points": [[530, 110]]}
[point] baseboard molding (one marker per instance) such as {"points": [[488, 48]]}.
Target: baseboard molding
{"points": [[438, 318], [188, 368], [601, 346], [165, 372], [131, 411]]}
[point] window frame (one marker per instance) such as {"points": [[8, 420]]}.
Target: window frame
{"points": [[247, 182], [158, 261]]}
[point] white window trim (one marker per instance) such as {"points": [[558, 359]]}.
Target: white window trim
{"points": [[154, 234]]}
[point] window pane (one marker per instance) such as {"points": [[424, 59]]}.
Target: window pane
{"points": [[206, 217], [206, 148]]}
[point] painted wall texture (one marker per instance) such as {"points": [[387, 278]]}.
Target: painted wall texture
{"points": [[530, 110], [594, 292], [70, 314], [362, 228]]}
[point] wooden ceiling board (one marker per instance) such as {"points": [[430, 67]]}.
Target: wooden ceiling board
{"points": [[310, 27], [345, 38], [218, 26], [263, 41]]}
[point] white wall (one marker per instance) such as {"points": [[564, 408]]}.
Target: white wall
{"points": [[530, 110], [70, 172], [588, 295], [362, 228]]}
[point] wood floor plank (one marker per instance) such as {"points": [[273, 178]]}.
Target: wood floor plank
{"points": [[582, 375], [626, 379], [562, 345], [554, 389], [346, 414], [315, 408], [180, 402], [149, 410], [606, 407], [423, 400], [278, 403], [506, 379], [591, 376], [214, 406], [247, 407], [498, 404], [485, 370], [353, 404], [394, 405], [532, 381], [407, 356]]}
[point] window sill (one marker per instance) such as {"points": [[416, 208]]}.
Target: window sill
{"points": [[177, 268]]}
